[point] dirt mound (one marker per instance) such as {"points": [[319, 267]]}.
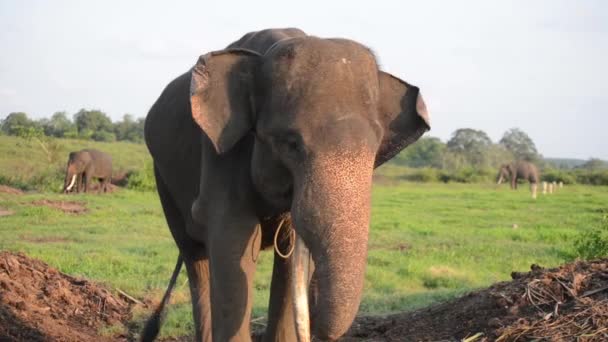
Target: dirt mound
{"points": [[121, 178], [39, 303], [563, 304], [70, 207], [9, 190], [569, 303], [5, 212]]}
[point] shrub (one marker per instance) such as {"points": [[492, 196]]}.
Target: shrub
{"points": [[103, 136], [593, 244], [467, 175], [592, 177], [558, 176], [142, 179], [421, 175], [49, 179]]}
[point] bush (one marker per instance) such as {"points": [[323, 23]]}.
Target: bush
{"points": [[143, 179], [467, 175], [421, 175], [592, 177], [50, 179], [103, 136], [593, 244], [558, 176]]}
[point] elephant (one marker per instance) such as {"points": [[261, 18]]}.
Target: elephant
{"points": [[520, 170], [276, 135], [85, 165]]}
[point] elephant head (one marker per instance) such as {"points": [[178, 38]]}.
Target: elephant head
{"points": [[77, 162], [323, 116], [504, 173]]}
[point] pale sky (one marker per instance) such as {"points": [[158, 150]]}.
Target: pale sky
{"points": [[490, 65]]}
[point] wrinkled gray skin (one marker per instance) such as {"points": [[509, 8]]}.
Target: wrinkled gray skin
{"points": [[290, 128], [518, 170], [86, 165]]}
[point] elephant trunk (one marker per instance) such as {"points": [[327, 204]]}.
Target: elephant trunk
{"points": [[331, 212]]}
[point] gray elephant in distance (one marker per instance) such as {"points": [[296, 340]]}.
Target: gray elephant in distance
{"points": [[515, 171], [84, 166], [277, 134]]}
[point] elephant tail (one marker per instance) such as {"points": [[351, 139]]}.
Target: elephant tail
{"points": [[153, 324]]}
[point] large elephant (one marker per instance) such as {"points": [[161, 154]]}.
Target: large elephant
{"points": [[519, 170], [278, 132], [84, 166]]}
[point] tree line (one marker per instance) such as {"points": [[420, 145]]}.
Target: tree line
{"points": [[471, 156], [470, 148], [85, 124]]}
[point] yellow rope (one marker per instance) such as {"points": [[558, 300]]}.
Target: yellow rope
{"points": [[292, 239]]}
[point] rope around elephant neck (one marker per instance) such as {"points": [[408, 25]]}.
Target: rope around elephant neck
{"points": [[292, 240]]}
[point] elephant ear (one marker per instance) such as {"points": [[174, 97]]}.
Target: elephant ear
{"points": [[221, 95], [402, 114]]}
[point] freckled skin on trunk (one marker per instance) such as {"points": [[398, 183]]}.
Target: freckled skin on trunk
{"points": [[332, 216]]}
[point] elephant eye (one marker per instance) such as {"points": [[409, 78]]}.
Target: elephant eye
{"points": [[289, 144]]}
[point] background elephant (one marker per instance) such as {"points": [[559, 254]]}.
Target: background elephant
{"points": [[85, 165], [519, 170], [281, 129]]}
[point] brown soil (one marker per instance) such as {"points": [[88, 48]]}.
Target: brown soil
{"points": [[5, 212], [562, 304], [39, 303], [70, 207], [95, 187], [9, 190], [121, 178]]}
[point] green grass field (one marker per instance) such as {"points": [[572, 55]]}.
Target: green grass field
{"points": [[429, 242], [24, 163]]}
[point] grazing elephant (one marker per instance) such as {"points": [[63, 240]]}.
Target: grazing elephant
{"points": [[519, 170], [276, 137], [85, 165]]}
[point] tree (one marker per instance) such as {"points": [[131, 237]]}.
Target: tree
{"points": [[426, 152], [472, 145], [59, 125], [520, 144], [16, 121], [89, 122], [129, 129], [466, 140], [594, 164]]}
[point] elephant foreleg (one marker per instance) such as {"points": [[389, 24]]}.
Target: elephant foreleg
{"points": [[79, 182], [533, 187], [234, 246], [87, 181], [281, 325], [198, 279]]}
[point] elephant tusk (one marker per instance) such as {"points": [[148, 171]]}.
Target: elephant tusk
{"points": [[299, 271], [499, 180], [71, 183]]}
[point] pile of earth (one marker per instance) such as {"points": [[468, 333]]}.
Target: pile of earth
{"points": [[39, 303], [569, 303], [70, 207], [10, 190]]}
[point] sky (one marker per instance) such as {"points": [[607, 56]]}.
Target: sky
{"points": [[541, 66]]}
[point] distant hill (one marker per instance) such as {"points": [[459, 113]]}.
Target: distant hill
{"points": [[565, 163]]}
